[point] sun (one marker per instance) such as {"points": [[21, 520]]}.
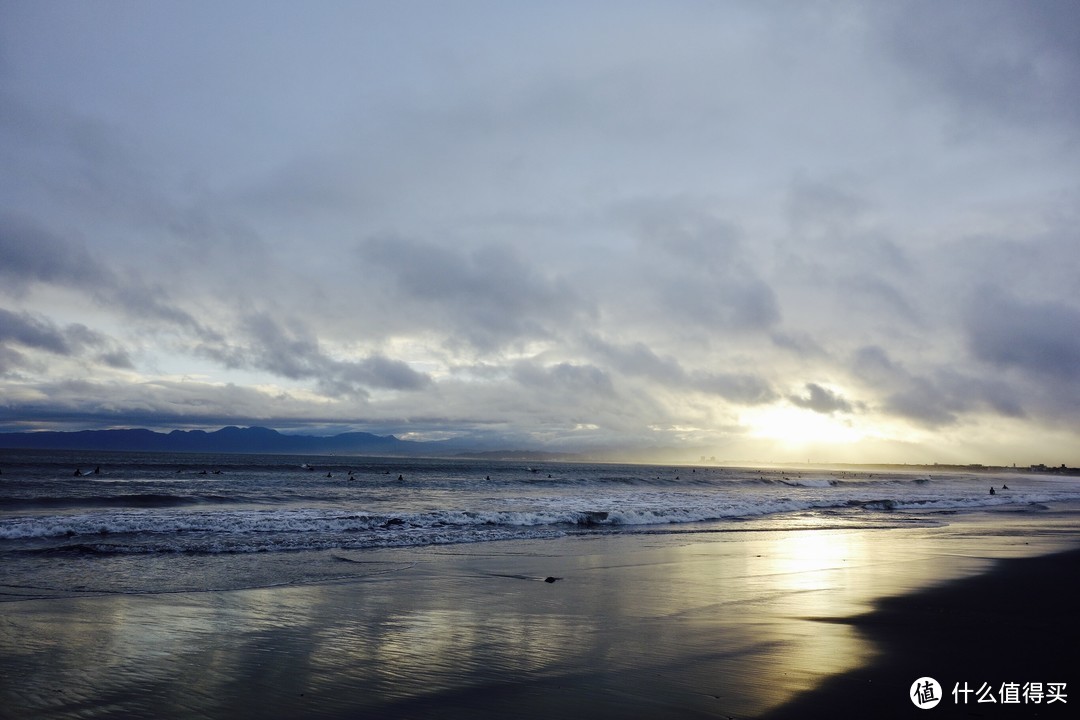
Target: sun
{"points": [[799, 426]]}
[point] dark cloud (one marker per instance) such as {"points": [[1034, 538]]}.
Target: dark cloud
{"points": [[697, 267], [739, 388], [903, 394], [74, 340], [379, 371], [800, 343], [821, 400], [815, 206], [721, 303], [638, 360], [879, 298], [1013, 61], [1039, 339], [117, 359], [488, 297], [873, 365], [622, 241], [26, 330], [10, 360], [969, 392], [582, 382], [922, 401], [839, 259], [159, 404], [290, 350], [938, 396], [78, 160], [152, 303], [29, 253]]}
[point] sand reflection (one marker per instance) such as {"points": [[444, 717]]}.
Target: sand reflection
{"points": [[810, 579], [664, 626]]}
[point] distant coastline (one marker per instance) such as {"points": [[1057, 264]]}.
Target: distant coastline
{"points": [[262, 440], [226, 440]]}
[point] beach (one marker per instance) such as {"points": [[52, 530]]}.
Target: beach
{"points": [[800, 622]]}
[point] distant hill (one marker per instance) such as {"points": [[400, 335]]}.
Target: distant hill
{"points": [[226, 440]]}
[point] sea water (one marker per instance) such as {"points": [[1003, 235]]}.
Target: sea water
{"points": [[78, 523]]}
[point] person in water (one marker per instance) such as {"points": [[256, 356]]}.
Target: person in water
{"points": [[992, 490]]}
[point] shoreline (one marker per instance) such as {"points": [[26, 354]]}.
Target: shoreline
{"points": [[772, 623], [1014, 623]]}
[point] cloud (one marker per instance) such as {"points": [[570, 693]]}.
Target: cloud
{"points": [[1038, 339], [740, 388], [638, 360], [379, 371], [839, 259], [696, 266], [801, 344], [567, 379], [902, 394], [822, 400], [152, 303], [488, 297], [539, 235], [936, 397], [32, 332], [74, 340], [160, 404], [1009, 61], [29, 253], [290, 350]]}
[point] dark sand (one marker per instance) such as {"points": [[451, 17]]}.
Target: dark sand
{"points": [[1017, 623], [773, 623]]}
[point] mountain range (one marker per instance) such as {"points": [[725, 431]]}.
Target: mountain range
{"points": [[226, 440]]}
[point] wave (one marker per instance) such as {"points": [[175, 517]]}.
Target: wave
{"points": [[132, 500], [291, 526], [253, 518]]}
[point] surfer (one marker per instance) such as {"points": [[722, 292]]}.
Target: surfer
{"points": [[1004, 487], [992, 490]]}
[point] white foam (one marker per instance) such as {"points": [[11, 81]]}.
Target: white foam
{"points": [[473, 510]]}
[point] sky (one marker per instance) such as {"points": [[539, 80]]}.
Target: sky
{"points": [[770, 231]]}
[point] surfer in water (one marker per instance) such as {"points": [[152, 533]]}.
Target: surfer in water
{"points": [[992, 490]]}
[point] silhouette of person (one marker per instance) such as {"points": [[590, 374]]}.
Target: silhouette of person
{"points": [[1004, 487], [992, 490]]}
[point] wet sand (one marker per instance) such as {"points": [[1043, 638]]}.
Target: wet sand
{"points": [[778, 623], [1013, 625]]}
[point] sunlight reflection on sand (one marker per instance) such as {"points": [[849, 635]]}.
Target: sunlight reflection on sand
{"points": [[658, 625]]}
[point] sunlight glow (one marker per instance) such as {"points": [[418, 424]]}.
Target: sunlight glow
{"points": [[798, 426]]}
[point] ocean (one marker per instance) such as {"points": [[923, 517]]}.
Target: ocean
{"points": [[76, 524]]}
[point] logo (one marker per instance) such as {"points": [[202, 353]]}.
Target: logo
{"points": [[925, 693]]}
